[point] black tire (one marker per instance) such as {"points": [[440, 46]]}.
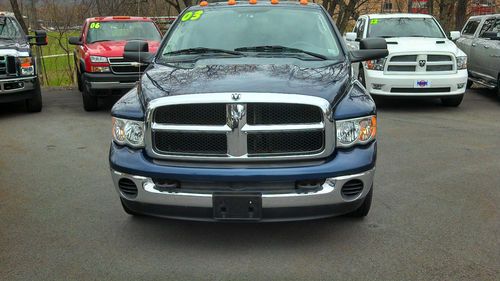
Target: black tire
{"points": [[453, 101], [364, 209], [498, 88], [34, 104], [89, 97], [128, 210], [469, 84], [361, 75]]}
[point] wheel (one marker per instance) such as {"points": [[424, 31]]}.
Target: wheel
{"points": [[128, 210], [469, 84], [79, 81], [89, 98], [364, 209], [453, 101], [361, 75], [34, 104], [498, 87]]}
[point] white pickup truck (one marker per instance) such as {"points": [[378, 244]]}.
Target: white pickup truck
{"points": [[422, 61]]}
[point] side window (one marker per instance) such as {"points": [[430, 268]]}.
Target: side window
{"points": [[471, 27], [488, 25], [361, 28]]}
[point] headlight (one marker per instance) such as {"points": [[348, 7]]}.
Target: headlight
{"points": [[356, 131], [128, 132], [27, 68], [376, 64], [461, 63], [98, 59]]}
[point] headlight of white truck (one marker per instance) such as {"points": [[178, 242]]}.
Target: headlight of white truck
{"points": [[26, 65], [128, 132], [356, 131], [376, 64], [462, 62]]}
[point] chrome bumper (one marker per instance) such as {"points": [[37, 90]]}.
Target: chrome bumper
{"points": [[329, 194], [111, 85], [23, 84]]}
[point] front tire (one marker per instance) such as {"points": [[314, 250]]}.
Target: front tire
{"points": [[453, 101], [89, 97], [34, 104], [364, 209], [128, 210]]}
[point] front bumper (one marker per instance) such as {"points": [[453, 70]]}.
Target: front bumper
{"points": [[383, 84], [15, 89], [355, 164], [111, 81]]}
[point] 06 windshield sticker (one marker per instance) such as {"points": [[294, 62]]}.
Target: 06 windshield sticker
{"points": [[95, 25], [192, 15], [374, 21]]}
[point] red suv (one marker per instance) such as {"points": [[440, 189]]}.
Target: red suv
{"points": [[100, 67]]}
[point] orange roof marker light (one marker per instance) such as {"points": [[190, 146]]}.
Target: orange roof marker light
{"points": [[274, 2], [121, 17], [231, 2], [203, 3], [303, 2], [253, 2]]}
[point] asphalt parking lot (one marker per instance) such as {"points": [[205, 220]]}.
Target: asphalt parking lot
{"points": [[435, 214]]}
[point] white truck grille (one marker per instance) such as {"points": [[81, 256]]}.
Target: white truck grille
{"points": [[421, 63]]}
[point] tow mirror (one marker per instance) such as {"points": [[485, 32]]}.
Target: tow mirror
{"points": [[138, 51], [74, 41], [40, 38], [492, 35], [454, 35], [370, 49], [351, 36]]}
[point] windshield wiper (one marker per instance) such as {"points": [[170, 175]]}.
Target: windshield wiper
{"points": [[280, 49], [202, 50]]}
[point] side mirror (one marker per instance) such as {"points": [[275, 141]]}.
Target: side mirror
{"points": [[40, 38], [370, 49], [138, 51], [492, 35], [351, 36], [454, 35], [75, 41]]}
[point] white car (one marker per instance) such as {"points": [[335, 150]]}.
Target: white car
{"points": [[422, 60]]}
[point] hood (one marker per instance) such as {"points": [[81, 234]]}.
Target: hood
{"points": [[14, 48], [266, 75], [115, 48], [416, 44]]}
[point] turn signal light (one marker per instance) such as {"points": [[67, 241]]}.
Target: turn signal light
{"points": [[253, 2], [203, 3], [231, 2], [274, 2], [303, 2]]}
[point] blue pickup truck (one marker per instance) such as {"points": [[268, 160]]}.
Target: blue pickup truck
{"points": [[247, 112]]}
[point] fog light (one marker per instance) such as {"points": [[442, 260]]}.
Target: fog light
{"points": [[100, 69], [377, 86], [460, 85]]}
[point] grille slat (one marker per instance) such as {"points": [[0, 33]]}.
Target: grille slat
{"points": [[190, 143], [192, 114], [270, 113], [277, 143]]}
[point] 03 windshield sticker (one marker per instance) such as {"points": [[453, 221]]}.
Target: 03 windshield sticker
{"points": [[95, 25], [192, 15]]}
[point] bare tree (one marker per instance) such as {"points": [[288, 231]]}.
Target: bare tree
{"points": [[19, 15]]}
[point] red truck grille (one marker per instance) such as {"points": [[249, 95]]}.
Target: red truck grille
{"points": [[124, 66]]}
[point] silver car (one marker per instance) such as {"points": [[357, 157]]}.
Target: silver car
{"points": [[480, 40]]}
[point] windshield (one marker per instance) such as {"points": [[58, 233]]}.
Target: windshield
{"points": [[293, 29], [404, 27], [122, 31], [9, 29]]}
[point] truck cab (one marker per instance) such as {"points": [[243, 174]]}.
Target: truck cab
{"points": [[480, 40], [422, 61], [243, 117], [100, 67], [18, 70]]}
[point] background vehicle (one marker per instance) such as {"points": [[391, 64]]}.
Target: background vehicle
{"points": [[244, 117], [99, 55], [18, 71], [422, 61], [480, 40]]}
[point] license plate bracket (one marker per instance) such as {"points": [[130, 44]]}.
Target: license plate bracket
{"points": [[237, 206]]}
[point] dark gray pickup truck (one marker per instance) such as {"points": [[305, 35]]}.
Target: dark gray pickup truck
{"points": [[480, 40]]}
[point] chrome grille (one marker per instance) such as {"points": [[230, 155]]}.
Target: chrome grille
{"points": [[120, 65], [3, 65], [239, 127], [419, 63]]}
